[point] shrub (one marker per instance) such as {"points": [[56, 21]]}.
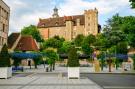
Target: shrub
{"points": [[4, 57], [73, 60]]}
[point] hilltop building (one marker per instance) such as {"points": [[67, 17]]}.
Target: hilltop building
{"points": [[69, 27]]}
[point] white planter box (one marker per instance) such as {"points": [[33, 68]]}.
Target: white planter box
{"points": [[5, 72], [73, 72]]}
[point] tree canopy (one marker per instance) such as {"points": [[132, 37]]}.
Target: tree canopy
{"points": [[132, 3], [33, 31]]}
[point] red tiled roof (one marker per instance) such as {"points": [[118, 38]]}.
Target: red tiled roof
{"points": [[27, 43], [60, 21], [12, 38]]}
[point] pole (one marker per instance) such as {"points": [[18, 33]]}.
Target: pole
{"points": [[44, 64]]}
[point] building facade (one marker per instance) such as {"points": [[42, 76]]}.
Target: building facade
{"points": [[69, 27], [4, 23]]}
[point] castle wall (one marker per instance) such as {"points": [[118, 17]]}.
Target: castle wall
{"points": [[44, 32], [91, 22], [70, 31]]}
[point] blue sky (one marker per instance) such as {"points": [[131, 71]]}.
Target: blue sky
{"points": [[26, 12]]}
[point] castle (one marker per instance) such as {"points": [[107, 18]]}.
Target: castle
{"points": [[69, 27]]}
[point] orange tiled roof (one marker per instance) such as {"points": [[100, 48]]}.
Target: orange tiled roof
{"points": [[60, 21], [27, 43]]}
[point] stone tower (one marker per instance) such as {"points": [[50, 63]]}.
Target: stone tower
{"points": [[91, 22], [55, 14], [69, 28]]}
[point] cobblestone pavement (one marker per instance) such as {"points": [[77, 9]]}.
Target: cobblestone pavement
{"points": [[45, 81]]}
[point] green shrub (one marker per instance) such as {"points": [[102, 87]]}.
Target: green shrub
{"points": [[4, 57], [73, 60]]}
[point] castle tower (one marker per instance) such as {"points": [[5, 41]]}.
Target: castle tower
{"points": [[91, 22], [55, 14], [69, 28]]}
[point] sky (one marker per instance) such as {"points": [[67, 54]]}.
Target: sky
{"points": [[26, 12]]}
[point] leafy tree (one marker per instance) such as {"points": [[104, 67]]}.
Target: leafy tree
{"points": [[131, 39], [4, 57], [101, 42], [79, 39], [53, 42], [101, 56], [17, 61], [134, 61], [90, 39], [37, 60], [33, 31], [122, 48], [65, 47], [119, 27], [51, 57], [58, 38], [73, 60], [132, 3], [87, 49]]}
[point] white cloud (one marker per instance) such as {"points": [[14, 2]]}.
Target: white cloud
{"points": [[27, 19], [15, 4], [104, 6], [20, 19]]}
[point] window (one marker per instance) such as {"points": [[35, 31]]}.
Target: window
{"points": [[88, 18], [88, 24], [3, 28], [2, 41]]}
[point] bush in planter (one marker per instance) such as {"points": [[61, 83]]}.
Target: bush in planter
{"points": [[4, 57], [73, 60]]}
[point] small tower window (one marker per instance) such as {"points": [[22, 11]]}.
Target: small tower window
{"points": [[88, 24]]}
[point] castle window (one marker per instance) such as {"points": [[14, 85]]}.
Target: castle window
{"points": [[88, 18], [88, 24]]}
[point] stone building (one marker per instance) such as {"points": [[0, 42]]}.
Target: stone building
{"points": [[69, 26], [4, 23]]}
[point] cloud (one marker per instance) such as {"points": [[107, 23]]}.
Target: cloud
{"points": [[26, 12], [104, 6]]}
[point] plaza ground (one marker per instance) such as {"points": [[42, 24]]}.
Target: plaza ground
{"points": [[40, 79]]}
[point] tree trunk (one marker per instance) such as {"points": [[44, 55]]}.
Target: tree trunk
{"points": [[35, 66], [50, 68]]}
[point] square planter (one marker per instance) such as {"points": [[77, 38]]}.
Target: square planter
{"points": [[5, 72], [73, 72]]}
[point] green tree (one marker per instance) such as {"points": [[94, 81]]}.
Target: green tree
{"points": [[4, 57], [53, 42], [51, 57], [65, 47], [73, 60], [134, 61], [17, 61], [87, 43], [120, 29], [33, 31], [90, 39], [122, 48], [37, 60], [79, 39], [132, 3]]}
